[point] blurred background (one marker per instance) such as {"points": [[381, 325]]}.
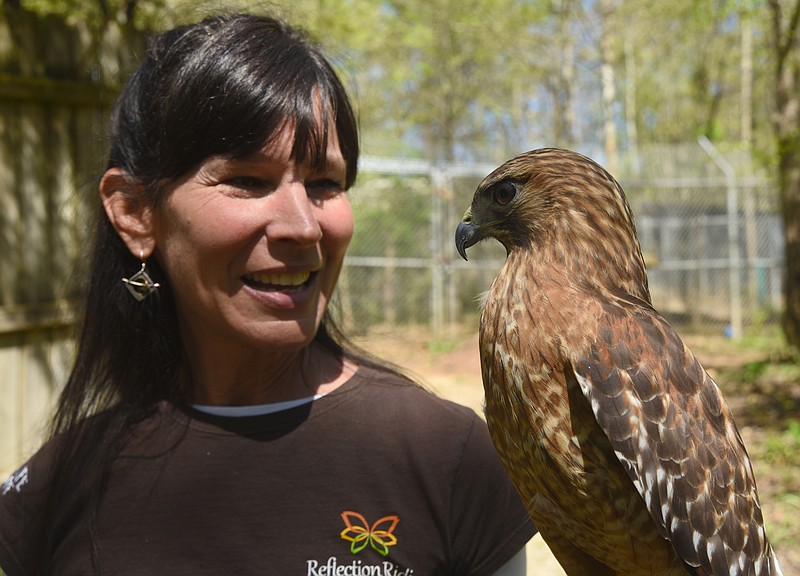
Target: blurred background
{"points": [[691, 104]]}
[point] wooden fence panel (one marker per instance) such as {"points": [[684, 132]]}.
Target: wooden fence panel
{"points": [[57, 84], [11, 418], [32, 364]]}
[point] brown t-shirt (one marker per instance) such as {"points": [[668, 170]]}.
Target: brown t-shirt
{"points": [[377, 477]]}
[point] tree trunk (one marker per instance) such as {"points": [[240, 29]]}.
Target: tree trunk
{"points": [[607, 13], [787, 129], [746, 139], [746, 93], [631, 130], [790, 204], [563, 86]]}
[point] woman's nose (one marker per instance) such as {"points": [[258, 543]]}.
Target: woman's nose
{"points": [[293, 218]]}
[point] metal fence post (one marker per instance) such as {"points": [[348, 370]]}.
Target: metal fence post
{"points": [[438, 181], [733, 234]]}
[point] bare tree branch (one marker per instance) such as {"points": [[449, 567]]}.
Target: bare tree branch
{"points": [[784, 44], [103, 5]]}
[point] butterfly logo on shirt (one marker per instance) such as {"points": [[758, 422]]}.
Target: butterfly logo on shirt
{"points": [[360, 534]]}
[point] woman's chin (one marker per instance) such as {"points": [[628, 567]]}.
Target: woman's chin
{"points": [[287, 335]]}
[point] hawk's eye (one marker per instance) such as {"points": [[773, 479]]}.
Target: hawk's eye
{"points": [[504, 193]]}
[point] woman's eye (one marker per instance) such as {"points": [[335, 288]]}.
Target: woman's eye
{"points": [[324, 187], [246, 182]]}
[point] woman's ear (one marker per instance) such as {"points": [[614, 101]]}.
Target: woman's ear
{"points": [[130, 213]]}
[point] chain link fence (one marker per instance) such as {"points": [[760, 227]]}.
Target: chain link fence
{"points": [[710, 231]]}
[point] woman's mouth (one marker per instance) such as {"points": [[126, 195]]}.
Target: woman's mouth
{"points": [[278, 281]]}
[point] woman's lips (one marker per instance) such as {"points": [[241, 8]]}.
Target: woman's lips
{"points": [[281, 281]]}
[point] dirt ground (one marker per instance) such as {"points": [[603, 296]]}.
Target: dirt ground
{"points": [[450, 366]]}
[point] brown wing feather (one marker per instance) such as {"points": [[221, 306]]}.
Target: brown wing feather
{"points": [[673, 433]]}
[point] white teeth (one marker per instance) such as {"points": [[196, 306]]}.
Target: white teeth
{"points": [[282, 279]]}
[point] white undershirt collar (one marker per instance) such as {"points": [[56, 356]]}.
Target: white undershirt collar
{"points": [[254, 410]]}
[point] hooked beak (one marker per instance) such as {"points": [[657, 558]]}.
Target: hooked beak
{"points": [[466, 234]]}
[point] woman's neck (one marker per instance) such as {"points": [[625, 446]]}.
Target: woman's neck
{"points": [[263, 378]]}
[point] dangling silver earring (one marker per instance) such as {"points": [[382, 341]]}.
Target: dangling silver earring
{"points": [[140, 285]]}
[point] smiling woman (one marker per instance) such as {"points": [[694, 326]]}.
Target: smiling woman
{"points": [[216, 421], [252, 249]]}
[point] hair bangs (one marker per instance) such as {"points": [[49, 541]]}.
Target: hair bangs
{"points": [[309, 105], [230, 87], [312, 123], [248, 105]]}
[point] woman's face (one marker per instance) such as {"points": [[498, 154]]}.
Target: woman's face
{"points": [[252, 247]]}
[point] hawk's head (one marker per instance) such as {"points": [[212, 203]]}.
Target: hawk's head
{"points": [[563, 207]]}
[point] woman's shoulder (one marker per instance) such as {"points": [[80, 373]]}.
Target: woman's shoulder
{"points": [[33, 477], [23, 497], [389, 391]]}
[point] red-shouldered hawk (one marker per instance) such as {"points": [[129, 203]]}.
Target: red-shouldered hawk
{"points": [[618, 441]]}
